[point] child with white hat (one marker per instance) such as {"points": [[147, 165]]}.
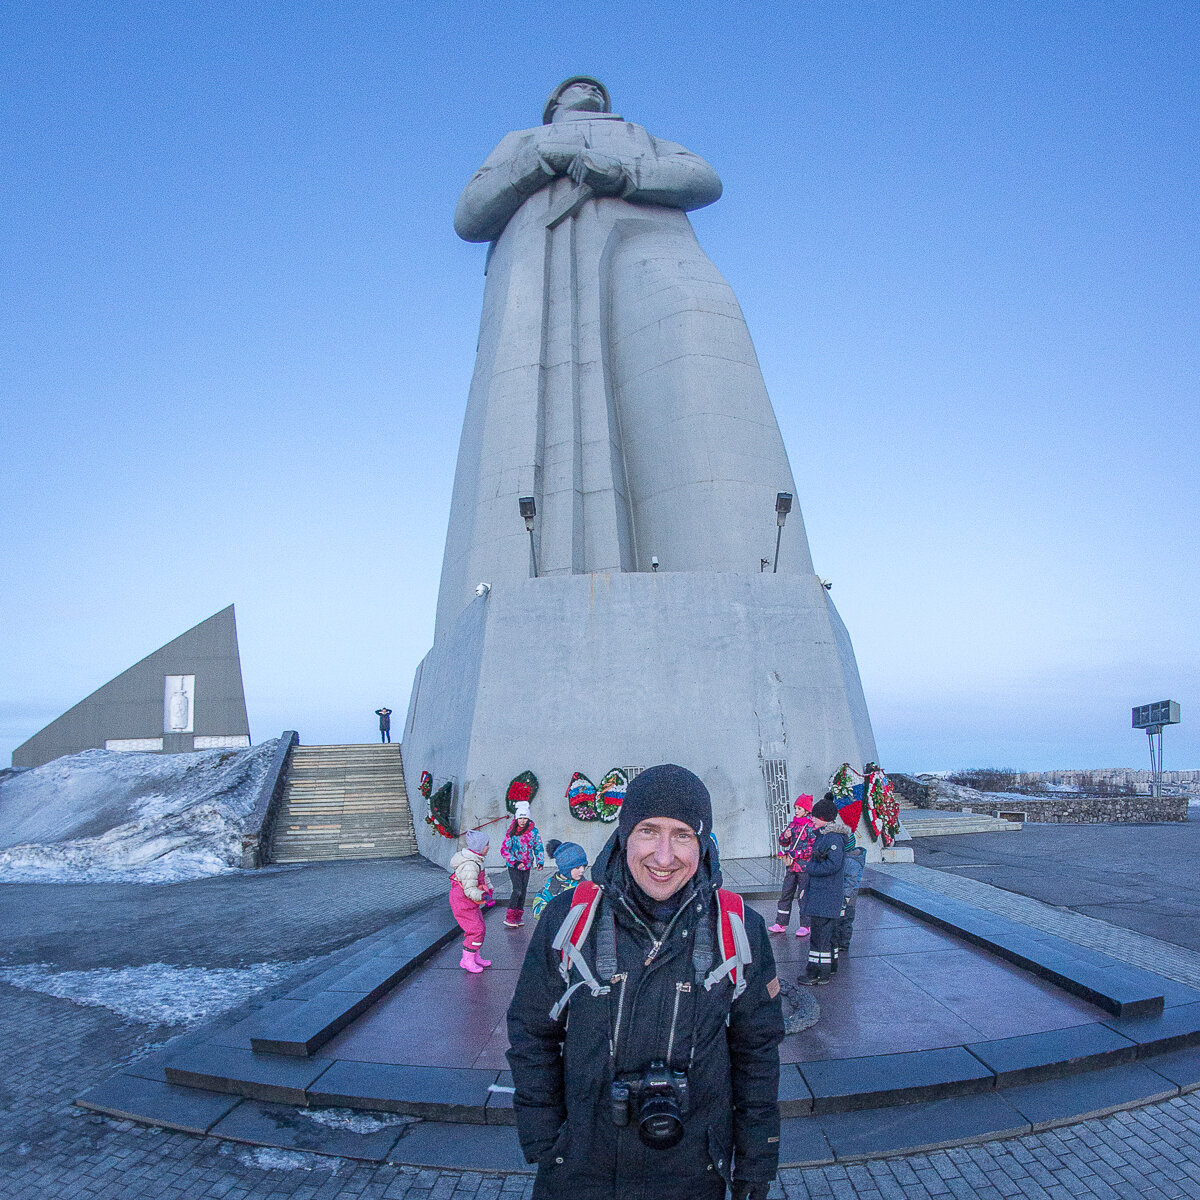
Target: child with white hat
{"points": [[522, 850]]}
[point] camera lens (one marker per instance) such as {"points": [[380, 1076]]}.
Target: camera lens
{"points": [[659, 1123]]}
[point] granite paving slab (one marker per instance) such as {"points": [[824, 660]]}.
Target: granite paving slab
{"points": [[1176, 994], [280, 1078], [463, 1147], [240, 1033], [288, 1128], [436, 1018], [1057, 1052], [192, 1110], [850, 1026], [982, 991], [499, 1110], [1173, 1029], [1118, 988], [802, 1143], [842, 1085], [934, 1125], [447, 1094], [1057, 887], [1093, 1094], [795, 1096], [1181, 1067], [374, 977], [310, 1026]]}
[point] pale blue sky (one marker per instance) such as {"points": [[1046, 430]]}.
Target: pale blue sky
{"points": [[238, 332]]}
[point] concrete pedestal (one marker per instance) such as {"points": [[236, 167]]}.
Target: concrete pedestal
{"points": [[748, 680]]}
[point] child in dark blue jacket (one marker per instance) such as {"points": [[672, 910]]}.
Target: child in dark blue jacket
{"points": [[854, 860], [824, 897]]}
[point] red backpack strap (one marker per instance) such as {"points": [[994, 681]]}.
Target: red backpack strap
{"points": [[569, 939], [733, 943], [584, 899]]}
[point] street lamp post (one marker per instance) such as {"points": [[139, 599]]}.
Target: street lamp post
{"points": [[529, 511], [783, 506]]}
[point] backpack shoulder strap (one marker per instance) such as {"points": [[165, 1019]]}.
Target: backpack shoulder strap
{"points": [[569, 941], [734, 944]]}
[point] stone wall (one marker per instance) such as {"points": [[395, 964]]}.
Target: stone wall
{"points": [[1068, 808]]}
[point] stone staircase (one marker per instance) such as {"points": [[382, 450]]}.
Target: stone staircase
{"points": [[929, 822], [343, 802]]}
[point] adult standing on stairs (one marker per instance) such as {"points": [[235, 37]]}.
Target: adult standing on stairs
{"points": [[385, 723]]}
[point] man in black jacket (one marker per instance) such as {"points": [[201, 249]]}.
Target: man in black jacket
{"points": [[385, 723], [648, 1023]]}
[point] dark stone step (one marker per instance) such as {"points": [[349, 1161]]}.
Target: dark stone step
{"points": [[155, 1103], [844, 1084], [440, 1093], [1052, 1054], [288, 1128], [274, 1077]]}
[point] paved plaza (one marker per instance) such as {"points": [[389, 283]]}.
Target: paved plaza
{"points": [[1137, 877], [54, 1048]]}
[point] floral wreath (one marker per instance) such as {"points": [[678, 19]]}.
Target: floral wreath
{"points": [[879, 800], [589, 803], [440, 804], [523, 787]]}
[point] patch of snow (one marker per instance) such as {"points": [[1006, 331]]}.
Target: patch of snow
{"points": [[265, 1159], [156, 994], [145, 818], [353, 1122]]}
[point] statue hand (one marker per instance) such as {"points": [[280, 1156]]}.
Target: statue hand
{"points": [[558, 156], [604, 175]]}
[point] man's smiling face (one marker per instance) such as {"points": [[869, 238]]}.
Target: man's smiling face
{"points": [[662, 855]]}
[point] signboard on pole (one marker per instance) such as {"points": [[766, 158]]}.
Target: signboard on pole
{"points": [[1162, 712]]}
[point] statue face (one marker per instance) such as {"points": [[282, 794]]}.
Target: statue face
{"points": [[579, 97]]}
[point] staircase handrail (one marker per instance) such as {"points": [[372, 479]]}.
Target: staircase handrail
{"points": [[257, 837]]}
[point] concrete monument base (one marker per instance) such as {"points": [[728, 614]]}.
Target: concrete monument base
{"points": [[748, 680]]}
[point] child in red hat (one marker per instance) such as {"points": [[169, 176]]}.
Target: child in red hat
{"points": [[795, 848]]}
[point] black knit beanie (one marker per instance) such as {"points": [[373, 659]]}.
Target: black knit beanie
{"points": [[666, 791], [826, 808]]}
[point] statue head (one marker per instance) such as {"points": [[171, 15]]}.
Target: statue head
{"points": [[580, 93]]}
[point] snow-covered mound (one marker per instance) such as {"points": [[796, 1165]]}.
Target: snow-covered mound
{"points": [[946, 792], [144, 818]]}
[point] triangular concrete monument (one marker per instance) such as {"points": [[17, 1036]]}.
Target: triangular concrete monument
{"points": [[187, 695]]}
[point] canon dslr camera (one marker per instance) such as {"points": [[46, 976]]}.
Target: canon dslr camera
{"points": [[656, 1099]]}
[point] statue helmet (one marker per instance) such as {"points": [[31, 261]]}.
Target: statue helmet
{"points": [[548, 111]]}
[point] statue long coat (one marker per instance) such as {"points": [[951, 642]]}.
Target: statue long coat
{"points": [[615, 379]]}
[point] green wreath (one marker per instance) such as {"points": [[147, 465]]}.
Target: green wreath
{"points": [[524, 787], [440, 804], [842, 784]]}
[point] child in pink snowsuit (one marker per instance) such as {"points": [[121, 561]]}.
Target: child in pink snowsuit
{"points": [[795, 848], [469, 893]]}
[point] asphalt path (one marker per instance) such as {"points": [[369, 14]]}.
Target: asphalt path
{"points": [[1140, 877], [276, 914]]}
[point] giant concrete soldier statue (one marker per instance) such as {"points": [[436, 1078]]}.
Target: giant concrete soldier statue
{"points": [[615, 379], [601, 604]]}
